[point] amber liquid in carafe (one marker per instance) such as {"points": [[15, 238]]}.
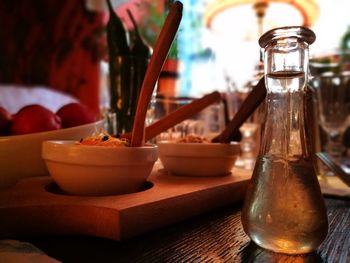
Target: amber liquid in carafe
{"points": [[282, 210]]}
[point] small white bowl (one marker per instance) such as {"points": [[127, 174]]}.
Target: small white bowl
{"points": [[198, 159], [98, 170], [20, 155]]}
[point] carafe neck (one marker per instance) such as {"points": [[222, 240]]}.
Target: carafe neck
{"points": [[285, 130], [286, 74]]}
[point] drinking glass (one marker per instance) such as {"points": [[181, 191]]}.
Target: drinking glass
{"points": [[251, 129], [208, 123], [333, 95], [165, 105]]}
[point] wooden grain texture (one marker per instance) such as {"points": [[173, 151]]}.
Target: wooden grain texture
{"points": [[31, 209], [216, 236]]}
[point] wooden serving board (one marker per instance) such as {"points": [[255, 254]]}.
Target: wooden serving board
{"points": [[37, 207]]}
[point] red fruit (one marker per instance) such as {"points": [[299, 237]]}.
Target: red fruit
{"points": [[74, 114], [34, 118], [5, 121]]}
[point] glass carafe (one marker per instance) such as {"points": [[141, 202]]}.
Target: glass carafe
{"points": [[284, 210]]}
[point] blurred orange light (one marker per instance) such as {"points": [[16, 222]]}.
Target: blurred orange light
{"points": [[307, 8]]}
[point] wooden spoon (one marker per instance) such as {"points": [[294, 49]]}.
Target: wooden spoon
{"points": [[178, 115], [155, 65], [253, 100]]}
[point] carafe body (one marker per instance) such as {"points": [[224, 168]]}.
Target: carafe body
{"points": [[284, 210]]}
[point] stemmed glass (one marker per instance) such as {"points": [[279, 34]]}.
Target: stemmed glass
{"points": [[333, 94]]}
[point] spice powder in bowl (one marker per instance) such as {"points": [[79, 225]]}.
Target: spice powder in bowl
{"points": [[196, 156], [99, 165]]}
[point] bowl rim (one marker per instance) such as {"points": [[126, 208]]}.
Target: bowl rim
{"points": [[195, 150], [70, 152], [51, 132], [214, 144], [68, 143]]}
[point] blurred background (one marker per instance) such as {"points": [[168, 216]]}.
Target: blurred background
{"points": [[61, 44], [217, 44], [61, 47]]}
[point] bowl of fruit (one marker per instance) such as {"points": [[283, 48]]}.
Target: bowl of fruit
{"points": [[22, 134]]}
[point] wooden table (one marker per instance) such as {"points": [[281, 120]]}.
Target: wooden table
{"points": [[217, 236]]}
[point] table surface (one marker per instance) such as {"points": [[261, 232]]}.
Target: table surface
{"points": [[217, 236]]}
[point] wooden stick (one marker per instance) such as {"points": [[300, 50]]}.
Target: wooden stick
{"points": [[253, 100], [155, 65], [178, 115]]}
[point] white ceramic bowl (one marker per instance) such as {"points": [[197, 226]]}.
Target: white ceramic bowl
{"points": [[20, 155], [198, 159], [98, 170]]}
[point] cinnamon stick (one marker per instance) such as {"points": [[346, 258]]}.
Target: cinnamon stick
{"points": [[253, 100], [179, 115], [155, 65]]}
